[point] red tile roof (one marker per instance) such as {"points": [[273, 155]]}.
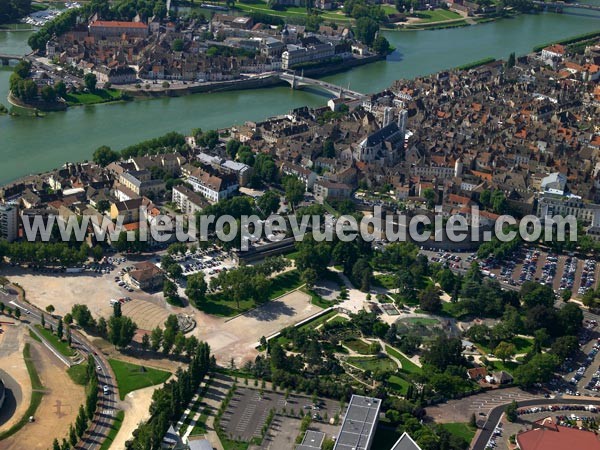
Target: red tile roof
{"points": [[558, 438]]}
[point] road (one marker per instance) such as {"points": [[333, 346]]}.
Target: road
{"points": [[104, 417], [494, 416]]}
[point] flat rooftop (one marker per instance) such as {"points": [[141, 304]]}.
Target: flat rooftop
{"points": [[359, 424], [313, 440]]}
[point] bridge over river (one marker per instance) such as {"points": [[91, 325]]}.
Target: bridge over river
{"points": [[6, 58], [298, 82]]}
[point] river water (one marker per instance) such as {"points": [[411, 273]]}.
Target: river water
{"points": [[31, 145]]}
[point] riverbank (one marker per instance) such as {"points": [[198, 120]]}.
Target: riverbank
{"points": [[33, 146], [148, 90]]}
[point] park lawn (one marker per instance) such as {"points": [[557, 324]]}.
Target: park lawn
{"points": [[508, 366], [358, 345], [200, 426], [91, 98], [61, 346], [398, 384], [437, 15], [373, 363], [318, 321], [316, 299], [389, 9], [387, 281], [78, 374], [338, 319], [454, 310], [522, 345], [407, 365], [114, 429], [288, 11], [130, 377], [460, 429], [36, 395], [282, 284]]}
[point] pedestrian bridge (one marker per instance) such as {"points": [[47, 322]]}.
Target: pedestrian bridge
{"points": [[297, 82]]}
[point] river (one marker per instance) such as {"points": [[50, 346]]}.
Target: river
{"points": [[31, 145]]}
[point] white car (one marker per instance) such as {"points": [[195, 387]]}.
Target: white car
{"points": [[105, 389]]}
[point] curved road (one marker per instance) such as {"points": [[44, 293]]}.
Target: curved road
{"points": [[494, 415], [98, 431]]}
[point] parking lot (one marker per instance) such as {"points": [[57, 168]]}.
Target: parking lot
{"points": [[581, 374], [561, 414], [248, 411], [208, 261], [561, 272]]}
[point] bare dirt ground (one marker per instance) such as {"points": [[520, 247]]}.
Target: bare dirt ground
{"points": [[145, 314], [137, 409], [58, 408], [12, 340], [227, 337], [237, 337]]}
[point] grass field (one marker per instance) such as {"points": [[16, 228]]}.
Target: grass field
{"points": [[460, 429], [318, 321], [290, 12], [437, 15], [91, 98], [61, 346], [131, 377], [316, 299], [36, 395], [338, 319], [373, 363], [200, 426], [508, 366], [218, 305], [387, 281], [358, 345], [407, 365], [78, 374], [114, 429], [522, 345], [399, 384]]}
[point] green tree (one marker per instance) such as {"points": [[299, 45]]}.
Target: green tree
{"points": [[61, 89], [511, 60], [429, 299], [268, 203], [196, 289], [90, 81], [565, 346], [48, 94], [294, 190], [177, 45], [505, 350], [365, 30], [309, 276], [381, 45], [145, 342], [103, 156], [511, 411]]}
